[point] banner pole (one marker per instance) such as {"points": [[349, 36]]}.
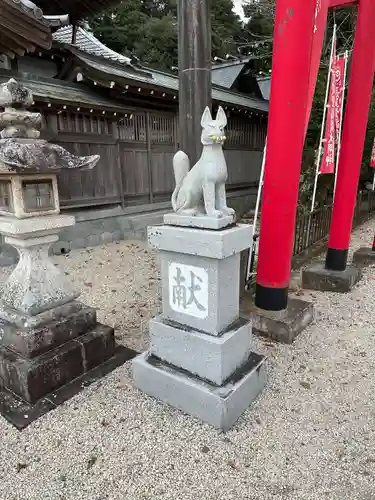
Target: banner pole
{"points": [[341, 119], [323, 122], [257, 206], [322, 132]]}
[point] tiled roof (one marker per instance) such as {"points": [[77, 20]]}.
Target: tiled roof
{"points": [[152, 78], [95, 56], [87, 42], [30, 8]]}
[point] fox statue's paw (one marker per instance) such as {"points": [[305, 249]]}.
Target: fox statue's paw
{"points": [[228, 211], [192, 212], [217, 214]]}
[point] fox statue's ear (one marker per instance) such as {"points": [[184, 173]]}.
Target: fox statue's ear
{"points": [[221, 117], [206, 117]]}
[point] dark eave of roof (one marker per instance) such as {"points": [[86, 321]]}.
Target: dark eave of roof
{"points": [[22, 28], [77, 9], [57, 92], [106, 73]]}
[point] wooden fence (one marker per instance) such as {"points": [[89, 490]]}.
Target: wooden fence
{"points": [[136, 154]]}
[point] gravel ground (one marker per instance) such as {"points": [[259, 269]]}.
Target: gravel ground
{"points": [[310, 435]]}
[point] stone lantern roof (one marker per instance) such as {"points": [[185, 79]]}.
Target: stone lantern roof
{"points": [[21, 150]]}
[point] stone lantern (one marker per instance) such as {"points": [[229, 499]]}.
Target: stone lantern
{"points": [[47, 337]]}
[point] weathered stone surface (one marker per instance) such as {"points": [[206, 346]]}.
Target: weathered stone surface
{"points": [[98, 346], [364, 257], [218, 406], [19, 203], [14, 94], [35, 285], [23, 321], [283, 326], [20, 148], [32, 379], [317, 277], [66, 325], [211, 358], [24, 229], [37, 155], [21, 413], [199, 221], [201, 242]]}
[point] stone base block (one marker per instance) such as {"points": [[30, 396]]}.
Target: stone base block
{"points": [[364, 257], [282, 326], [200, 274], [20, 413], [32, 379], [199, 221], [211, 358], [317, 277], [218, 406], [63, 324]]}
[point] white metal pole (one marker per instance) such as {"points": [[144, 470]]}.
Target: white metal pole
{"points": [[373, 183], [323, 121], [257, 206], [342, 119], [261, 182]]}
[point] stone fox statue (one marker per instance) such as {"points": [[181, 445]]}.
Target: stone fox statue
{"points": [[201, 190]]}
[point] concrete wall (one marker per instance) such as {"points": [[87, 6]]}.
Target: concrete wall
{"points": [[98, 226]]}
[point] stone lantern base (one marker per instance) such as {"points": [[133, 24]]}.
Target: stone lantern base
{"points": [[51, 345]]}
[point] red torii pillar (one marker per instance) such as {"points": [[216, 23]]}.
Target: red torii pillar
{"points": [[289, 97], [291, 61], [354, 132]]}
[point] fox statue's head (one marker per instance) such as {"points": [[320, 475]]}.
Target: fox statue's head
{"points": [[213, 130]]}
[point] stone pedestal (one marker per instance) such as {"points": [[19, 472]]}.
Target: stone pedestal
{"points": [[363, 257], [47, 338], [282, 326], [317, 277], [200, 358]]}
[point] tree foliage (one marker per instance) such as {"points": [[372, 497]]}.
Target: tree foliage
{"points": [[148, 30]]}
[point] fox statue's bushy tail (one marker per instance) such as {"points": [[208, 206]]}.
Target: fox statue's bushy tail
{"points": [[181, 167]]}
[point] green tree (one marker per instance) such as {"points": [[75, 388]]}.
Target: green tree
{"points": [[158, 46], [121, 28], [148, 29], [258, 32], [227, 30]]}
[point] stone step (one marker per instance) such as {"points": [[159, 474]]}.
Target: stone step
{"points": [[211, 358], [69, 322], [32, 379], [218, 406]]}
